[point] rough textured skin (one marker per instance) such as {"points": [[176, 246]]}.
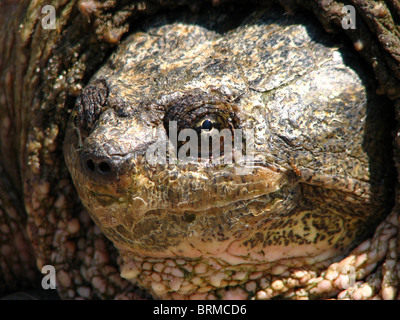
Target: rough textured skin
{"points": [[41, 74], [269, 74]]}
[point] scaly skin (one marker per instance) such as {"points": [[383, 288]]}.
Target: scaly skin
{"points": [[319, 182], [41, 217]]}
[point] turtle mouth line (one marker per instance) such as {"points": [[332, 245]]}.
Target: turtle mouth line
{"points": [[191, 190], [272, 204]]}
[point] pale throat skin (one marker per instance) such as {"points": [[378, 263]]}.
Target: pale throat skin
{"points": [[195, 230]]}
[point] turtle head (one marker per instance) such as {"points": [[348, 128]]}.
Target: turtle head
{"points": [[213, 162]]}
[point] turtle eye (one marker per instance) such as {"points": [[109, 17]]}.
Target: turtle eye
{"points": [[211, 137], [207, 124]]}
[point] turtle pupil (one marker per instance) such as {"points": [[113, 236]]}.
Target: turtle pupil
{"points": [[207, 125]]}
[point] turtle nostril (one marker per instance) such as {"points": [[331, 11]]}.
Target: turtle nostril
{"points": [[97, 166], [90, 165], [104, 167]]}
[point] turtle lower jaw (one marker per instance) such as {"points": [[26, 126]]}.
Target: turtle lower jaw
{"points": [[233, 253]]}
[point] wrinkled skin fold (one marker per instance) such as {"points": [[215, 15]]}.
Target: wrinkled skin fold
{"points": [[43, 72]]}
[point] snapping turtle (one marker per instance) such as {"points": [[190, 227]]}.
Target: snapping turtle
{"points": [[295, 201]]}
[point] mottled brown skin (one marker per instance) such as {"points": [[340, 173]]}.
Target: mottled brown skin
{"points": [[268, 74], [41, 74]]}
